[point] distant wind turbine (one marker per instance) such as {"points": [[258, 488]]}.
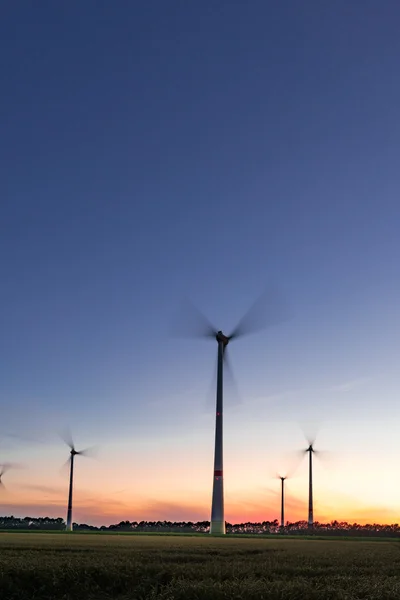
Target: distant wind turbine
{"points": [[71, 460], [310, 450], [283, 479]]}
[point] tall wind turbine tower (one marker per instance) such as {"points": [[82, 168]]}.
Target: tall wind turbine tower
{"points": [[73, 453], [282, 501], [87, 452], [251, 322], [217, 523], [310, 451]]}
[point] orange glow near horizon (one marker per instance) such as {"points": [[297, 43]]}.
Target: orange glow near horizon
{"points": [[171, 480], [105, 513], [257, 507]]}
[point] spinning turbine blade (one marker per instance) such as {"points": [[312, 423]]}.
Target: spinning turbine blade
{"points": [[268, 310], [7, 466], [310, 431], [65, 465], [90, 452], [210, 397], [66, 435], [191, 323], [234, 397], [4, 468], [230, 381], [325, 457]]}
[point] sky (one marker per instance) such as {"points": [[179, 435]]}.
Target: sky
{"points": [[157, 151]]}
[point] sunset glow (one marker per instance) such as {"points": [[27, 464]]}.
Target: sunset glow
{"points": [[198, 159]]}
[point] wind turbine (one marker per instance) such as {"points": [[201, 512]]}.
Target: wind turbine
{"points": [[251, 322], [283, 479], [68, 440], [310, 451]]}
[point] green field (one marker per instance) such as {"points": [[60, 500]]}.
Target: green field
{"points": [[104, 567]]}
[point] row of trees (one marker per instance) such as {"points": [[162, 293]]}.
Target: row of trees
{"points": [[299, 527], [31, 523]]}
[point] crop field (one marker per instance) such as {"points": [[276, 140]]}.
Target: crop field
{"points": [[121, 567]]}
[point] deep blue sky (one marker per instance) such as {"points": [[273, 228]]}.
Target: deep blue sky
{"points": [[156, 150]]}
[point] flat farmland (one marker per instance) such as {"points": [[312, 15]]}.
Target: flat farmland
{"points": [[121, 567]]}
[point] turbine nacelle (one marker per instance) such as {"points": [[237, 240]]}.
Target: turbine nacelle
{"points": [[222, 338]]}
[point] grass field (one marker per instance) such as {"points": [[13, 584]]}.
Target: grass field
{"points": [[78, 567]]}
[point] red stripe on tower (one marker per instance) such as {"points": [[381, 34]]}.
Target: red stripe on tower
{"points": [[217, 473]]}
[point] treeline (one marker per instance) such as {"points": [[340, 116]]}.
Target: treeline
{"points": [[266, 527], [32, 523]]}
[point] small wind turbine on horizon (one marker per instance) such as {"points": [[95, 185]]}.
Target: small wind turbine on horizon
{"points": [[310, 450], [283, 479], [71, 460], [251, 322], [288, 475]]}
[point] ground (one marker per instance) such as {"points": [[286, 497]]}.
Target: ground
{"points": [[139, 567]]}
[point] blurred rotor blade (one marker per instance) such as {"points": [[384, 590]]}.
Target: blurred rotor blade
{"points": [[210, 402], [190, 322], [65, 466], [299, 456], [4, 467], [90, 452], [66, 435], [231, 394], [295, 463], [290, 464], [269, 309], [325, 456], [2, 486], [310, 431], [230, 384]]}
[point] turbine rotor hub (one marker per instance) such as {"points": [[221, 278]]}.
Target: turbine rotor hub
{"points": [[222, 338]]}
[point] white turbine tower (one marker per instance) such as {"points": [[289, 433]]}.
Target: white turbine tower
{"points": [[71, 461], [283, 479], [311, 451], [251, 322]]}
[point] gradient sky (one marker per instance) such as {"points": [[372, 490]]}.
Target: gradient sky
{"points": [[160, 150]]}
